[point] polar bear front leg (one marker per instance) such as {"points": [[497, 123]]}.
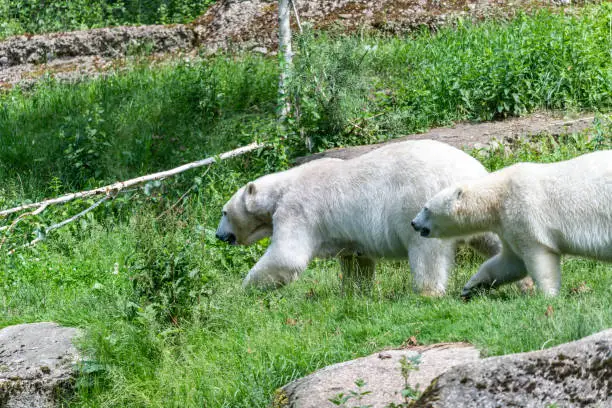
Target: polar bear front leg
{"points": [[430, 262], [545, 269], [503, 268], [282, 263]]}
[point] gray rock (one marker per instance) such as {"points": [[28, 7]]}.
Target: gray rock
{"points": [[576, 374], [36, 364], [381, 372], [108, 42]]}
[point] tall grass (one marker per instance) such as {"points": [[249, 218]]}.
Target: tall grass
{"points": [[359, 88], [124, 125]]}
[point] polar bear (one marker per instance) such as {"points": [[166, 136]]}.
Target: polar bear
{"points": [[540, 211], [357, 210]]}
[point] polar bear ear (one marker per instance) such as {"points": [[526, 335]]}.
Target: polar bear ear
{"points": [[458, 193], [251, 189]]}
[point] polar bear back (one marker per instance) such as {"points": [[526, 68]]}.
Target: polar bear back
{"points": [[567, 205], [366, 203]]}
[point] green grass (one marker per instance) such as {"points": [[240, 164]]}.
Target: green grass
{"points": [[231, 348], [34, 17], [165, 320]]}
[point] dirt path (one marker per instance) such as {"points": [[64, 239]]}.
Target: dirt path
{"points": [[480, 135], [228, 24]]}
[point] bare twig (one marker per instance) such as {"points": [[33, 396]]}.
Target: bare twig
{"points": [[180, 199], [112, 189], [175, 204], [77, 216], [297, 16]]}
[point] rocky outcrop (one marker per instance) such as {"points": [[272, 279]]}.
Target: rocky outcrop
{"points": [[381, 373], [36, 364], [105, 42], [576, 374]]}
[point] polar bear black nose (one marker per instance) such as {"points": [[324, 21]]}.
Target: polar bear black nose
{"points": [[229, 238]]}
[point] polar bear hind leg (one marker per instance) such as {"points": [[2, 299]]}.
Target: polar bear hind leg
{"points": [[503, 268]]}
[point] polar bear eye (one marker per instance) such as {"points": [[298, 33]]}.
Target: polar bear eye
{"points": [[224, 213], [426, 209]]}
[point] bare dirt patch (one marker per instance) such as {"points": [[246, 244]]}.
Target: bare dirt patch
{"points": [[479, 135]]}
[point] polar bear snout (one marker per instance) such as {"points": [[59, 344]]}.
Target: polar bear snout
{"points": [[420, 228], [226, 237], [420, 224], [225, 232]]}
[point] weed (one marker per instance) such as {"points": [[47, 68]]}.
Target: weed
{"points": [[342, 399]]}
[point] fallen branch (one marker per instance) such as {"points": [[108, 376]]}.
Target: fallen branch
{"points": [[113, 189]]}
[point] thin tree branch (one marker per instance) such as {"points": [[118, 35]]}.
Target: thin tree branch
{"points": [[77, 216], [113, 189], [8, 228], [297, 16], [180, 199], [61, 224]]}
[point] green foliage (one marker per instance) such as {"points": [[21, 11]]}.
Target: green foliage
{"points": [[357, 90], [166, 276], [33, 16]]}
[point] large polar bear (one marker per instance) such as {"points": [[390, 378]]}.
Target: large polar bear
{"points": [[540, 211], [358, 210]]}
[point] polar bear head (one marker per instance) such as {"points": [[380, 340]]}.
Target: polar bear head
{"points": [[443, 215], [247, 216]]}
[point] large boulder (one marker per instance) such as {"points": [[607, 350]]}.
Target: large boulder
{"points": [[576, 374], [381, 373], [36, 364]]}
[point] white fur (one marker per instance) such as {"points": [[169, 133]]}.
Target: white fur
{"points": [[540, 211], [352, 208]]}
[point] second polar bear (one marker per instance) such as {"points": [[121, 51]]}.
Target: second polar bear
{"points": [[358, 210], [540, 211]]}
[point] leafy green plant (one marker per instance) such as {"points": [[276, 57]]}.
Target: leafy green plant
{"points": [[409, 393], [342, 399], [167, 281]]}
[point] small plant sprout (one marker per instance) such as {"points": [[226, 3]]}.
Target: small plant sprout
{"points": [[341, 399]]}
